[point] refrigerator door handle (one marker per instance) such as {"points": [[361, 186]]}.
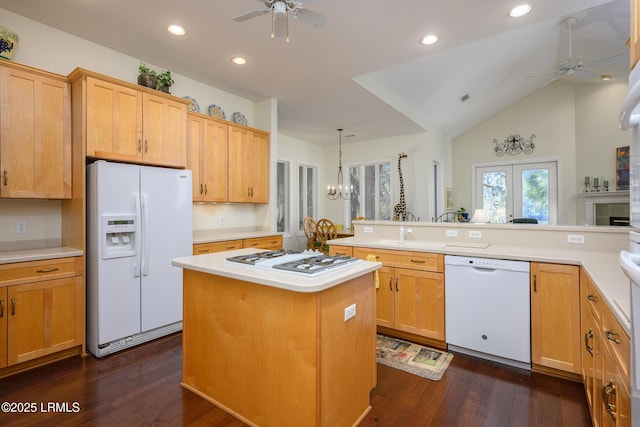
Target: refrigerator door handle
{"points": [[137, 240], [147, 236]]}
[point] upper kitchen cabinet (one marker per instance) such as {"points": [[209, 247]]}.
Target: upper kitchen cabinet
{"points": [[35, 133], [634, 33], [129, 123], [208, 141], [248, 165]]}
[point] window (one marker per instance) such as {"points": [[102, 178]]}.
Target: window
{"points": [[283, 196], [525, 190], [308, 198], [371, 192]]}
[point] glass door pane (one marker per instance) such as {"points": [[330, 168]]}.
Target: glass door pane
{"points": [[538, 186], [493, 185]]}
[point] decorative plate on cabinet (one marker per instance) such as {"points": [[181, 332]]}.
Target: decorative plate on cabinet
{"points": [[216, 111], [239, 118], [193, 106]]}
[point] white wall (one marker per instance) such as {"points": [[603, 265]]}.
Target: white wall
{"points": [[576, 125], [421, 148]]}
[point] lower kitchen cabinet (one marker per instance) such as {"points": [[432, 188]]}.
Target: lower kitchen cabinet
{"points": [[410, 293], [271, 242], [41, 309], [555, 317], [340, 250], [606, 356]]}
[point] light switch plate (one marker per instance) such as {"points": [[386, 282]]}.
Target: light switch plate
{"points": [[475, 234], [368, 229], [451, 233], [350, 312]]}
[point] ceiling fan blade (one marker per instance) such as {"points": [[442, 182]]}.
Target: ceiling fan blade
{"points": [[585, 74], [312, 18], [280, 25], [605, 60], [255, 13], [547, 83], [545, 74]]}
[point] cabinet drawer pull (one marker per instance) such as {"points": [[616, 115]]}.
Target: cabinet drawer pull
{"points": [[587, 336], [417, 261], [612, 335], [1, 308], [201, 188], [202, 251], [47, 270], [391, 284], [592, 298], [231, 247], [535, 283], [396, 284], [139, 146], [146, 146], [13, 306], [205, 189], [4, 177], [608, 392]]}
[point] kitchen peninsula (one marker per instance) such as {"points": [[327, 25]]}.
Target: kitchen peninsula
{"points": [[273, 348]]}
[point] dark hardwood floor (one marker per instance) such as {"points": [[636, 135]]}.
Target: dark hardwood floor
{"points": [[140, 387]]}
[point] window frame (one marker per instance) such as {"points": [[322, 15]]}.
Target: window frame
{"points": [[302, 196], [361, 190], [286, 188]]}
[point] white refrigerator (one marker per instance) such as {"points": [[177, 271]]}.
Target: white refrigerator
{"points": [[138, 220]]}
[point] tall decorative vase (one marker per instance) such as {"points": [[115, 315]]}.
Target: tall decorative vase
{"points": [[8, 43]]}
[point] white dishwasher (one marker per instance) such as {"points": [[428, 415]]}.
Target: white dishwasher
{"points": [[488, 309]]}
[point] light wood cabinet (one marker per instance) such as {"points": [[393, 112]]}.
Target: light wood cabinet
{"points": [[35, 134], [410, 293], [340, 250], [634, 33], [555, 317], [42, 305], [227, 245], [606, 356], [128, 123], [248, 165], [208, 142], [269, 242]]}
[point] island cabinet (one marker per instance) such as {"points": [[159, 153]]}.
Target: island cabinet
{"points": [[41, 312], [279, 357], [128, 123], [248, 165], [409, 291], [555, 318], [208, 142], [35, 133], [606, 356]]}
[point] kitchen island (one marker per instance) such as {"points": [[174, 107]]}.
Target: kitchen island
{"points": [[273, 348]]}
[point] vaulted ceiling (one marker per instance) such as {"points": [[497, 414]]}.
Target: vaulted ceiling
{"points": [[365, 70]]}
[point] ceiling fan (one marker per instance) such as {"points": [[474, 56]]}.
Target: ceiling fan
{"points": [[574, 65], [280, 11]]}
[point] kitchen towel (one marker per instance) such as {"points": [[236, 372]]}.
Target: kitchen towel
{"points": [[376, 278]]}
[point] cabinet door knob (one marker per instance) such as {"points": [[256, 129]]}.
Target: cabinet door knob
{"points": [[1, 308], [146, 146], [535, 283], [612, 335], [609, 392], [5, 175], [139, 146], [396, 284], [592, 298], [391, 283], [13, 306], [205, 189]]}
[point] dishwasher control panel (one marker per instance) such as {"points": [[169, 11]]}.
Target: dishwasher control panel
{"points": [[488, 263]]}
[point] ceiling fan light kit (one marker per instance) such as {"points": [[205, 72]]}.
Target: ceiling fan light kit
{"points": [[280, 11]]}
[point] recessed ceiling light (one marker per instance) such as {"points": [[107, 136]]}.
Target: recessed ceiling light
{"points": [[430, 39], [605, 77], [520, 10], [176, 30], [238, 60]]}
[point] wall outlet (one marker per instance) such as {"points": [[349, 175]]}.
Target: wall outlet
{"points": [[475, 234], [21, 227], [350, 312], [368, 229], [575, 238], [451, 233], [221, 221]]}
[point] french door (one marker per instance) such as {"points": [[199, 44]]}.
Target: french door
{"points": [[524, 190]]}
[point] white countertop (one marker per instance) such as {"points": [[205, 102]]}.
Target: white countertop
{"points": [[215, 264], [221, 235], [8, 257], [603, 267]]}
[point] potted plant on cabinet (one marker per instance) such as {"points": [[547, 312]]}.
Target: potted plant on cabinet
{"points": [[164, 81], [147, 77], [463, 215]]}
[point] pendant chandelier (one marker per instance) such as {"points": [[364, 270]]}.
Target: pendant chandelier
{"points": [[336, 192]]}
